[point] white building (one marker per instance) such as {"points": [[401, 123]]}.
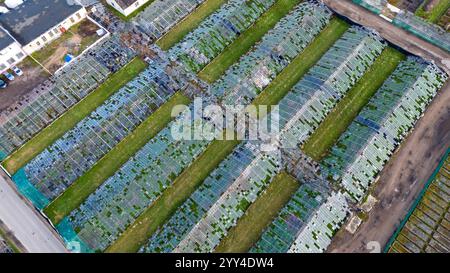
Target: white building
{"points": [[126, 7], [11, 52], [36, 23]]}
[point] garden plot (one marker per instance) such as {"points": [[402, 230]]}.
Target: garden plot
{"points": [[245, 80], [123, 197], [232, 204], [427, 228], [73, 41], [219, 30], [280, 235], [47, 102], [369, 142], [79, 149], [186, 216], [312, 98], [162, 15], [316, 236]]}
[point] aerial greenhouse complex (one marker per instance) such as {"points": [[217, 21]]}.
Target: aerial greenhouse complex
{"points": [[168, 237], [208, 232], [206, 42], [48, 101], [126, 194], [281, 234], [410, 21], [421, 28], [318, 232], [57, 167], [323, 86], [162, 15], [365, 147], [91, 139], [246, 79], [120, 151]]}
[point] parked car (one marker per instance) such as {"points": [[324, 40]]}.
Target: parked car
{"points": [[17, 71], [3, 84], [8, 75]]}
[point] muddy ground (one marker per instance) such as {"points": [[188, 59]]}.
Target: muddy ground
{"points": [[406, 173], [403, 178], [33, 75]]}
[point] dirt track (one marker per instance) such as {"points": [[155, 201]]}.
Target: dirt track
{"points": [[403, 178], [405, 175], [33, 75]]}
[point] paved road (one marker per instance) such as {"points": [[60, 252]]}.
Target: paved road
{"points": [[27, 225], [406, 173], [391, 33]]}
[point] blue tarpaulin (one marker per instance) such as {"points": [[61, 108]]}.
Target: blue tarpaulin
{"points": [[27, 189], [73, 242], [68, 58]]}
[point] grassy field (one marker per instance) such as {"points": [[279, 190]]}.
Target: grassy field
{"points": [[302, 63], [189, 23], [74, 115], [163, 208], [435, 14], [246, 40], [259, 215], [348, 108], [111, 162], [9, 242]]}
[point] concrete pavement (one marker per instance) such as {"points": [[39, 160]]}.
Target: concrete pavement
{"points": [[28, 226]]}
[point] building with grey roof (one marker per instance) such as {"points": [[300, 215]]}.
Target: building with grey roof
{"points": [[10, 51], [35, 23], [5, 39], [126, 7]]}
